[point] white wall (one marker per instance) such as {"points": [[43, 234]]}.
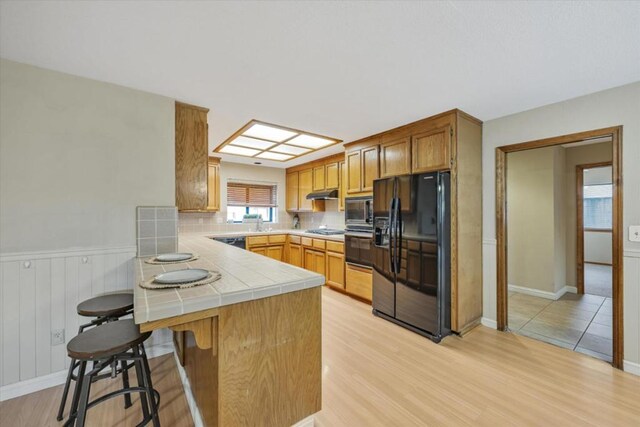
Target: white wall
{"points": [[76, 157], [618, 106], [597, 247]]}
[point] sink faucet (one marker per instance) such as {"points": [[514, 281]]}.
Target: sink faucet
{"points": [[259, 224]]}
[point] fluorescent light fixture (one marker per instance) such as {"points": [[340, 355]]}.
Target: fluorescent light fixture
{"points": [[258, 144], [309, 141], [274, 156], [240, 151], [269, 133], [290, 149]]}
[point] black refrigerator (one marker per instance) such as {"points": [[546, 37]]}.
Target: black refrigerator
{"points": [[411, 268]]}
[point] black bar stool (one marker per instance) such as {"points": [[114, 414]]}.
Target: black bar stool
{"points": [[104, 308], [108, 345]]}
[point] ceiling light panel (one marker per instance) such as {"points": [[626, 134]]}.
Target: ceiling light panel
{"points": [[269, 133], [274, 156], [241, 151], [290, 149], [258, 144], [309, 141]]}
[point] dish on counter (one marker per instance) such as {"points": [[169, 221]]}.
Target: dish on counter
{"points": [[181, 276], [179, 256]]}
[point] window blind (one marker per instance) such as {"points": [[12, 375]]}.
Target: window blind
{"points": [[241, 194]]}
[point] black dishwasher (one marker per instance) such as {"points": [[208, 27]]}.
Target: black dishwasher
{"points": [[238, 242]]}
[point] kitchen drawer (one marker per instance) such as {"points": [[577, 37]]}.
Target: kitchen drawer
{"points": [[278, 238], [319, 244], [257, 240], [306, 241], [335, 246], [359, 281], [294, 239]]}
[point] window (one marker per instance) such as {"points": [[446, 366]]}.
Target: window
{"points": [[598, 206], [245, 198]]}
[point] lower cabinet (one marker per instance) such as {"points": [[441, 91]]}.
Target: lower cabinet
{"points": [[314, 260], [359, 281], [335, 270], [295, 255], [275, 252]]}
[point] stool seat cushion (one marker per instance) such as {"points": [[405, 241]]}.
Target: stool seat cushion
{"points": [[106, 305], [106, 340]]}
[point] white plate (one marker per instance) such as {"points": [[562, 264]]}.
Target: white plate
{"points": [[181, 276], [180, 256]]}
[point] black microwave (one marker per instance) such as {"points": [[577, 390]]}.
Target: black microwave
{"points": [[358, 213]]}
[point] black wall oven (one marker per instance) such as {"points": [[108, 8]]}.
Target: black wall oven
{"points": [[358, 248]]}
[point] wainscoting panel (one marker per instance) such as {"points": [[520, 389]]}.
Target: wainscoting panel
{"points": [[39, 294]]}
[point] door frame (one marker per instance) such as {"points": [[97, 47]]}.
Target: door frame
{"points": [[615, 133], [580, 220]]}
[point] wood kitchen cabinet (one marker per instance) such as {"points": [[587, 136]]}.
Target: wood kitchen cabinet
{"points": [[305, 186], [192, 161], [395, 157], [295, 255], [343, 188], [318, 178], [359, 281], [332, 176], [314, 260], [271, 246], [213, 184], [292, 192], [335, 264], [362, 167], [431, 150]]}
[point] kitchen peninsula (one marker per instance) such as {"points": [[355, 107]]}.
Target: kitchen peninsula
{"points": [[250, 343]]}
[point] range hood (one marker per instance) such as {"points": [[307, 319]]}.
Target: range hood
{"points": [[323, 195]]}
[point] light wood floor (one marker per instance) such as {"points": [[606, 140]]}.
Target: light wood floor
{"points": [[378, 374]]}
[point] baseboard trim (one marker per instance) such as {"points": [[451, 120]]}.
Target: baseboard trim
{"points": [[543, 294], [32, 385], [631, 367], [305, 422], [489, 323]]}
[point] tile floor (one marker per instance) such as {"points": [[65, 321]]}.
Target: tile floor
{"points": [[597, 279], [581, 323]]}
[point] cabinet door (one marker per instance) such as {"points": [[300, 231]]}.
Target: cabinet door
{"points": [[292, 191], [295, 255], [275, 252], [332, 176], [354, 172], [213, 187], [318, 178], [305, 187], [358, 281], [319, 262], [370, 167], [343, 186], [335, 269], [191, 157], [431, 150], [261, 250], [309, 261], [395, 157]]}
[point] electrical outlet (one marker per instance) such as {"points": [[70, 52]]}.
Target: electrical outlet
{"points": [[57, 337], [634, 233]]}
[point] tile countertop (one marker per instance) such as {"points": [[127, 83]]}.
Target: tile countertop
{"points": [[335, 237], [245, 276]]}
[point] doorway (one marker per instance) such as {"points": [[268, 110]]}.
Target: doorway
{"points": [[613, 134]]}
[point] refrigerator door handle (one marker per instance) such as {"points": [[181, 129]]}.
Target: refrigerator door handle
{"points": [[398, 235], [391, 225]]}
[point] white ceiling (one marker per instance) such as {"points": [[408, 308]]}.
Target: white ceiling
{"points": [[341, 69]]}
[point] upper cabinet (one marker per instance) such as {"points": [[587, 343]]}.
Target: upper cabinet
{"points": [[193, 165], [293, 192], [343, 185], [362, 167], [431, 150], [318, 178], [317, 175], [332, 176], [395, 157]]}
